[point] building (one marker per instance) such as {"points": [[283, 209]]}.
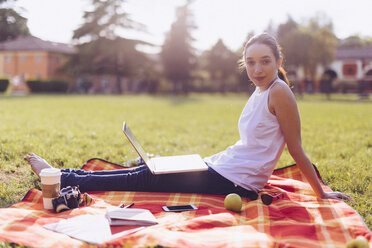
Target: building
{"points": [[351, 71], [352, 67], [32, 58]]}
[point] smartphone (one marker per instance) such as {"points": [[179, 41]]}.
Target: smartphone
{"points": [[179, 208]]}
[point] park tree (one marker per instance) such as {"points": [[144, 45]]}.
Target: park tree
{"points": [[324, 45], [271, 29], [308, 45], [177, 53], [351, 41], [100, 49], [244, 83], [368, 41], [355, 41], [295, 42], [286, 28], [221, 63], [247, 38], [295, 47], [12, 24], [105, 20]]}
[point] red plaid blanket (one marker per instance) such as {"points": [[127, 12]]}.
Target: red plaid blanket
{"points": [[298, 220]]}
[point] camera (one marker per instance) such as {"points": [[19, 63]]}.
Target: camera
{"points": [[69, 198]]}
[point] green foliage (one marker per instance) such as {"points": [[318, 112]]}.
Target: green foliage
{"points": [[47, 86], [69, 130], [100, 49], [221, 63], [105, 56], [104, 21], [309, 44], [355, 41], [4, 83], [177, 53], [295, 45], [12, 25], [285, 28]]}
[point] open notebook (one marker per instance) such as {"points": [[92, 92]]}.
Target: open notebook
{"points": [[130, 216], [94, 229]]}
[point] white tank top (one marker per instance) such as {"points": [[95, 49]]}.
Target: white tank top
{"points": [[250, 161]]}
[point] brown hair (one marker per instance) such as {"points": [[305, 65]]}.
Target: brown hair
{"points": [[271, 42]]}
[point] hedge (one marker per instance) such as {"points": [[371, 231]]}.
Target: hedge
{"points": [[47, 86], [4, 83]]}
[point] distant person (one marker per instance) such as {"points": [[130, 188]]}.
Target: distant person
{"points": [[326, 85], [269, 120], [309, 85], [298, 88], [296, 83], [362, 89]]}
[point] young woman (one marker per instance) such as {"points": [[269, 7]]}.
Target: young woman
{"points": [[269, 120]]}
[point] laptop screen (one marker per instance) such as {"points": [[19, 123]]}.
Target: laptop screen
{"points": [[133, 140]]}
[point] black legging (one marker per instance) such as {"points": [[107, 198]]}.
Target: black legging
{"points": [[141, 179]]}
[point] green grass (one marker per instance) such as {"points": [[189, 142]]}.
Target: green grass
{"points": [[69, 130]]}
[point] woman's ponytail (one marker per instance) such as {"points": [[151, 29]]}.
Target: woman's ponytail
{"points": [[282, 74]]}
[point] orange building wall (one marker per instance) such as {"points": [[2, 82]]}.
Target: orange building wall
{"points": [[31, 64], [55, 61], [24, 63]]}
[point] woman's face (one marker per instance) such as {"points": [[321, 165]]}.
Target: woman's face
{"points": [[262, 67]]}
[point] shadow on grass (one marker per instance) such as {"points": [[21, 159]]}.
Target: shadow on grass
{"points": [[195, 97], [334, 98], [177, 99]]}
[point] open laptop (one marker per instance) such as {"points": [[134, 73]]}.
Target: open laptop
{"points": [[169, 164]]}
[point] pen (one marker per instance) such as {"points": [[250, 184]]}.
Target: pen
{"points": [[128, 206]]}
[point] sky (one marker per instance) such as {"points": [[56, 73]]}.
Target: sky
{"points": [[229, 20]]}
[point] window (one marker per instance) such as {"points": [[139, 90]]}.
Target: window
{"points": [[38, 58], [349, 69], [8, 58], [22, 78], [22, 58]]}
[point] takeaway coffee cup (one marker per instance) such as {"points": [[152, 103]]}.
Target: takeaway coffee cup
{"points": [[50, 185]]}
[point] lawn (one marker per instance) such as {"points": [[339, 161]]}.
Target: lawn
{"points": [[69, 130]]}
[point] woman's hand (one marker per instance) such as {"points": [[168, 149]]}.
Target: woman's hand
{"points": [[336, 195]]}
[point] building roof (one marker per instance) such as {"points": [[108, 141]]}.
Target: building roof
{"points": [[31, 43], [354, 53]]}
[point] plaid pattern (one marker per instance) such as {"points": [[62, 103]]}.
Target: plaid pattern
{"points": [[297, 220]]}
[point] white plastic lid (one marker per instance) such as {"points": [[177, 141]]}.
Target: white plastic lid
{"points": [[50, 172]]}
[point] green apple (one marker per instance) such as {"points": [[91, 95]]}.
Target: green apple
{"points": [[358, 242], [233, 202]]}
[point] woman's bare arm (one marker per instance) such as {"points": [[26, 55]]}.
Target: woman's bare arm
{"points": [[282, 103]]}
